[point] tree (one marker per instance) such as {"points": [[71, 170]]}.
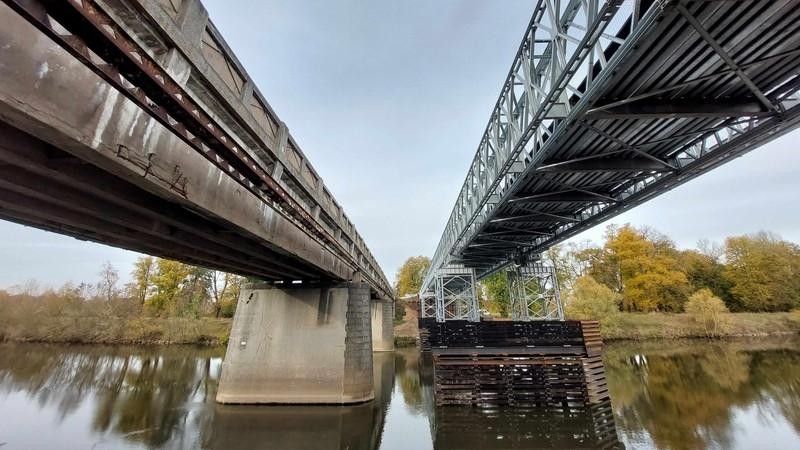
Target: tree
{"points": [[559, 260], [642, 266], [410, 275], [764, 272], [498, 300], [571, 261], [224, 290], [168, 279], [708, 310], [704, 270], [194, 293], [591, 300], [142, 275], [107, 286]]}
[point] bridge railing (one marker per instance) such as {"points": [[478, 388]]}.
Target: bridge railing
{"points": [[220, 81]]}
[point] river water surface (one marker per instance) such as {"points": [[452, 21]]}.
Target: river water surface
{"points": [[669, 394]]}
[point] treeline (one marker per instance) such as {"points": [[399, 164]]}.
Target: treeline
{"points": [[642, 270], [158, 288], [171, 288]]}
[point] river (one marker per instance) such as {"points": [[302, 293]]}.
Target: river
{"points": [[741, 394]]}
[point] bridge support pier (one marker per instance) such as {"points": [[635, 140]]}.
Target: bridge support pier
{"points": [[303, 345], [382, 325], [533, 290], [456, 298]]}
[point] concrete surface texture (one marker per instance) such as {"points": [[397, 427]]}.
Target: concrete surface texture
{"points": [[299, 346], [382, 325]]}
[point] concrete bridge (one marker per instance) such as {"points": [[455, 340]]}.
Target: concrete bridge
{"points": [[131, 123], [607, 105]]}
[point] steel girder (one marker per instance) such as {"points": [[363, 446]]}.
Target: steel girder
{"points": [[556, 89]]}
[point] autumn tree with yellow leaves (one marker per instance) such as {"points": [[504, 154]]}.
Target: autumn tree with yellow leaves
{"points": [[410, 275]]}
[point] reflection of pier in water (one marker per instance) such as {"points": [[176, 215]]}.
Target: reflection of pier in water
{"points": [[585, 423], [578, 427], [312, 427]]}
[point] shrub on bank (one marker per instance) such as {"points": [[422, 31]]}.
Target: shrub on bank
{"points": [[591, 300], [405, 341], [709, 311]]}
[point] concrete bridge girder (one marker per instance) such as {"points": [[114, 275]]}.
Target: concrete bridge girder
{"points": [[40, 84]]}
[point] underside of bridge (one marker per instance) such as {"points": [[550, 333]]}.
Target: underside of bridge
{"points": [[609, 104], [132, 125], [48, 188]]}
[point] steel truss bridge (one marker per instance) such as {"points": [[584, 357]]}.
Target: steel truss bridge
{"points": [[607, 105]]}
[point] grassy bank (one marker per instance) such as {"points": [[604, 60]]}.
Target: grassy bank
{"points": [[640, 326], [143, 330], [118, 330], [655, 326]]}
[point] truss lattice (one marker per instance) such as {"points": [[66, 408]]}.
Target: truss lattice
{"points": [[608, 104], [455, 295], [427, 305], [533, 289]]}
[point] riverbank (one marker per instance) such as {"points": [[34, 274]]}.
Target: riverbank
{"points": [[141, 330], [653, 326], [119, 331], [644, 326]]}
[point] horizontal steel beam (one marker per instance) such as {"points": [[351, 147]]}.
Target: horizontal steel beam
{"points": [[710, 108], [603, 165], [560, 196], [535, 217]]}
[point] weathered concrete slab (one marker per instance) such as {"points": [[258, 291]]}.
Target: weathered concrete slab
{"points": [[299, 346]]}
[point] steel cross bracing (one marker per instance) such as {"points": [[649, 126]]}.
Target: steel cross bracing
{"points": [[533, 291], [427, 305], [90, 33], [611, 103], [455, 296]]}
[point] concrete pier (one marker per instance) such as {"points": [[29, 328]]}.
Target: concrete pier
{"points": [[299, 346], [382, 325]]}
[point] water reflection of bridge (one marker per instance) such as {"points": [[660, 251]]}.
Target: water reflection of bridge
{"points": [[666, 395], [164, 398], [352, 427], [460, 427], [511, 428]]}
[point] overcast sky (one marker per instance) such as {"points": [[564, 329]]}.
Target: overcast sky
{"points": [[389, 100]]}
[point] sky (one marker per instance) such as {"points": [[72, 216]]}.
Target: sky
{"points": [[389, 99]]}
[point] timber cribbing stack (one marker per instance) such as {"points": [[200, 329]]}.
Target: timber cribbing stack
{"points": [[508, 363]]}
